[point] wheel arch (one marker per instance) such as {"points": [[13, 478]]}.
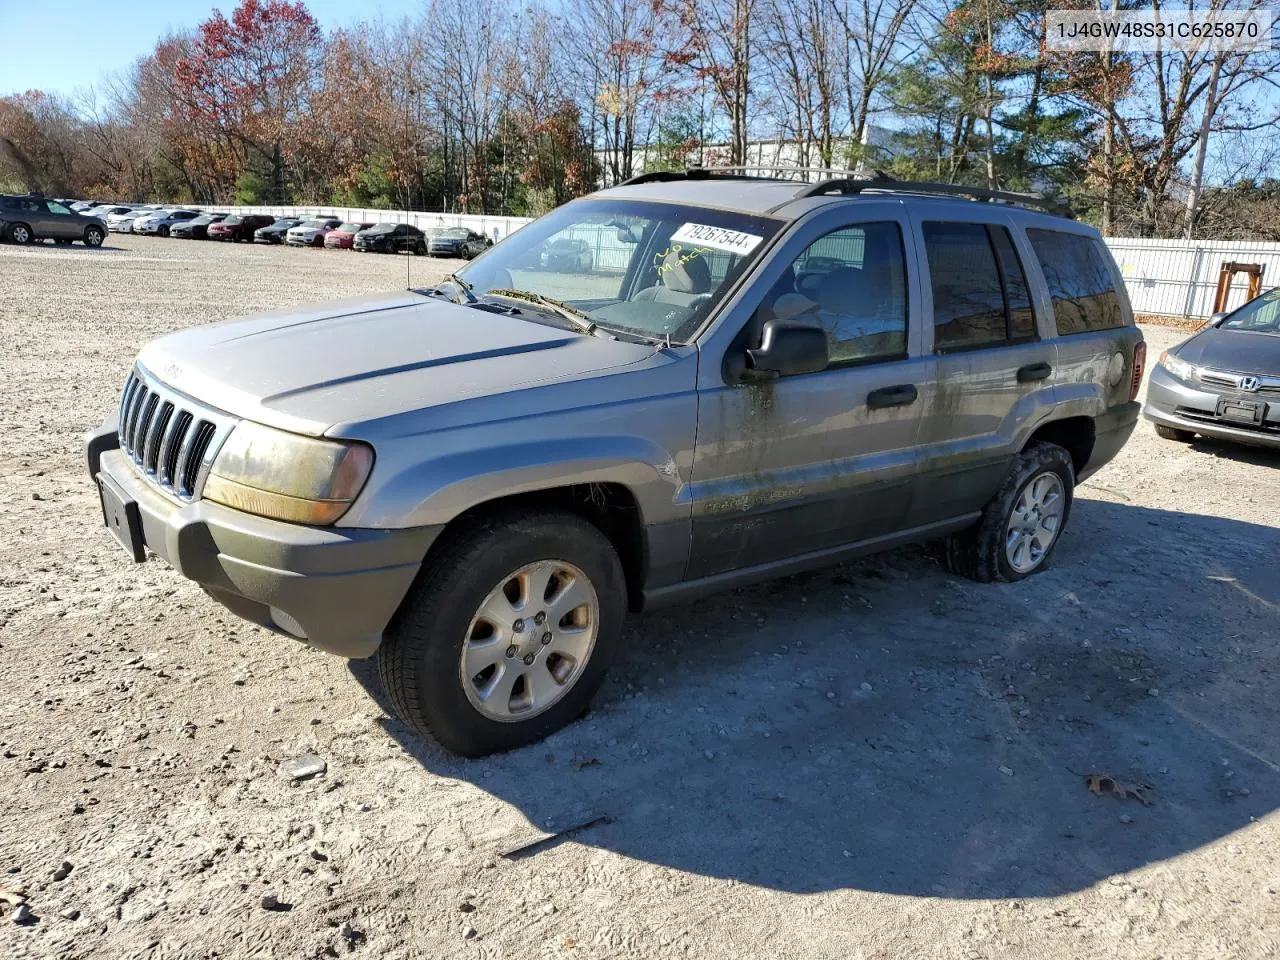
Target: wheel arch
{"points": [[610, 506], [1075, 434]]}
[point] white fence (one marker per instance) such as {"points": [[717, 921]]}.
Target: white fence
{"points": [[1170, 278], [1178, 278]]}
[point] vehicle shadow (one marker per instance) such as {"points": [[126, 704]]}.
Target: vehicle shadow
{"points": [[885, 726], [76, 247], [1259, 456]]}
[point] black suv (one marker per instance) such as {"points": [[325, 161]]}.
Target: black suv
{"points": [[27, 219]]}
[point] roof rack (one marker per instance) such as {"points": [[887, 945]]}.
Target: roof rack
{"points": [[853, 182], [881, 182], [699, 173]]}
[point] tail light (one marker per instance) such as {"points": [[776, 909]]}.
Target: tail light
{"points": [[1139, 364]]}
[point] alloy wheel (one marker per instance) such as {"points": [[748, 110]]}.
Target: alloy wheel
{"points": [[529, 641], [1035, 522]]}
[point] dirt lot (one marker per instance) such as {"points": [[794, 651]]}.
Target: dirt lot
{"points": [[875, 760]]}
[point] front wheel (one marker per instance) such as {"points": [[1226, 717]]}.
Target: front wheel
{"points": [[1022, 523], [93, 237], [507, 632], [1173, 433], [163, 231], [420, 249]]}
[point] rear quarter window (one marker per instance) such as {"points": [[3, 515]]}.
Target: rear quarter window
{"points": [[1080, 281]]}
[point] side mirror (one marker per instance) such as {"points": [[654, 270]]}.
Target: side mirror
{"points": [[1213, 320], [626, 236], [787, 349]]}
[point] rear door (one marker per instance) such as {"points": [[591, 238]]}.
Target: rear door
{"points": [[994, 370], [807, 463]]}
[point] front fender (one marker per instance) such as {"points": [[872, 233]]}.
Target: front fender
{"points": [[437, 489]]}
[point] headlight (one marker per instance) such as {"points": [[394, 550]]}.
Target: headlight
{"points": [[287, 477], [1177, 368]]}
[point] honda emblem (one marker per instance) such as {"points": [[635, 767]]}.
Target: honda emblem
{"points": [[1251, 384]]}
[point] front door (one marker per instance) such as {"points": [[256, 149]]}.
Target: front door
{"points": [[811, 462]]}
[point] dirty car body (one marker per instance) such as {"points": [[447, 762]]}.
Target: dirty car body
{"points": [[732, 392]]}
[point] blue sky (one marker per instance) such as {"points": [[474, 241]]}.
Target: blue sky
{"points": [[59, 45]]}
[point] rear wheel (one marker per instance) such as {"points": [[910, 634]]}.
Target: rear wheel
{"points": [[420, 249], [20, 233], [507, 632], [93, 236], [1022, 523], [1173, 433]]}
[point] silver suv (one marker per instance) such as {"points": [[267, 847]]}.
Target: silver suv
{"points": [[477, 480], [32, 218]]}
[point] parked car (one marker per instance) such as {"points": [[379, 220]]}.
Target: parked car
{"points": [[275, 232], [344, 235], [311, 233], [476, 480], [390, 238], [161, 223], [240, 227], [123, 222], [31, 219], [458, 242], [567, 254], [1224, 381], [197, 229], [104, 210]]}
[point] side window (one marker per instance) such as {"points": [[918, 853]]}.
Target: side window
{"points": [[58, 208], [980, 293], [1084, 294], [852, 283], [1022, 321]]}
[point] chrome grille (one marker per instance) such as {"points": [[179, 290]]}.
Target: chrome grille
{"points": [[1267, 386], [170, 438]]}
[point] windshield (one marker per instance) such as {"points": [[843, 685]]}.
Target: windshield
{"points": [[316, 223], [1259, 315], [350, 227], [655, 269], [455, 233], [232, 221], [381, 228]]}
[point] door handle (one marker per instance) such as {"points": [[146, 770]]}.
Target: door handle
{"points": [[1034, 371], [897, 396]]}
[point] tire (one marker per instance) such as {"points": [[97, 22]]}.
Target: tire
{"points": [[20, 233], [163, 231], [419, 250], [93, 237], [1173, 433], [987, 551], [421, 660]]}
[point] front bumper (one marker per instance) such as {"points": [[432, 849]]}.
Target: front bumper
{"points": [[334, 588], [1184, 406]]}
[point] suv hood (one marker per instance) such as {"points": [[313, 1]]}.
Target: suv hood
{"points": [[339, 365]]}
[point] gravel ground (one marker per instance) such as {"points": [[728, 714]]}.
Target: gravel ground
{"points": [[875, 760]]}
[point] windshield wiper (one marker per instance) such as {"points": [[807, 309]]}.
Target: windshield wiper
{"points": [[462, 285], [458, 282], [575, 316]]}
